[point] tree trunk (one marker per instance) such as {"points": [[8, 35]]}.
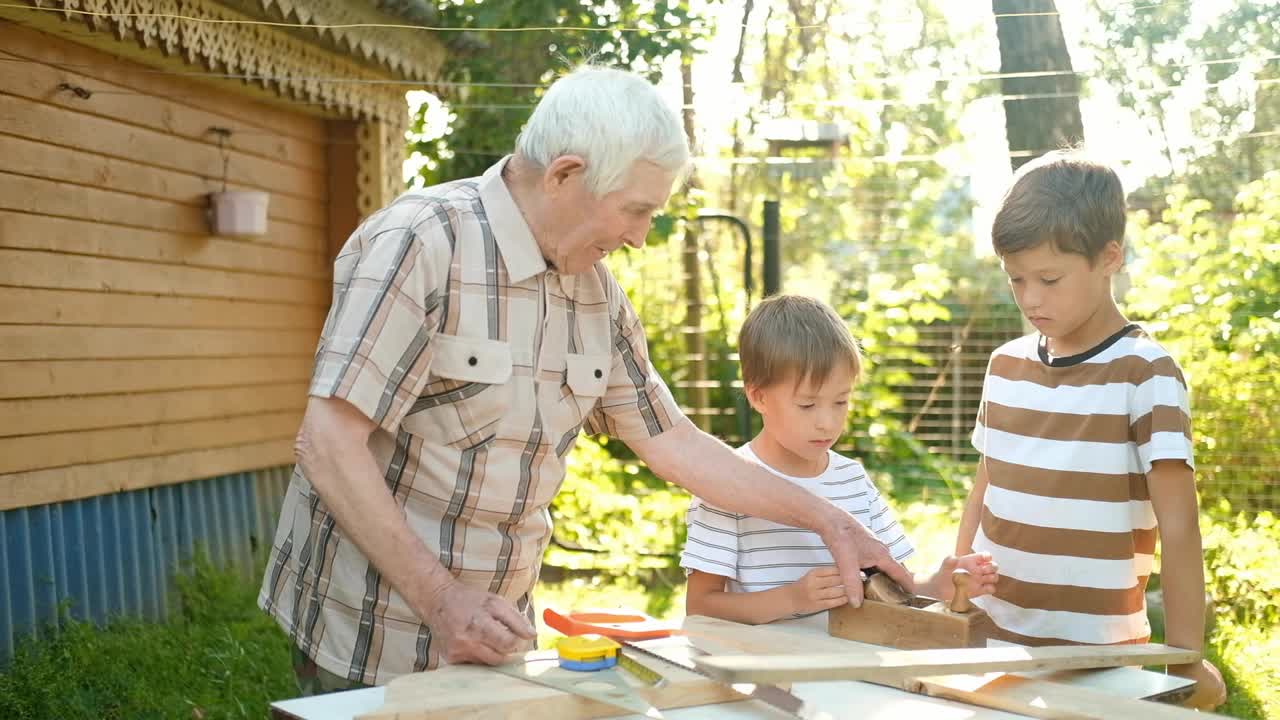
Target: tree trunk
{"points": [[694, 338], [1043, 113]]}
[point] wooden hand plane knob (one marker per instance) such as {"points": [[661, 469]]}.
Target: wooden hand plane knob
{"points": [[962, 581]]}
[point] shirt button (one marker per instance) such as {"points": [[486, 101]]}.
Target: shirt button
{"points": [[599, 374], [472, 361]]}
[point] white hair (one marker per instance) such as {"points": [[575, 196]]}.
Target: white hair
{"points": [[612, 119]]}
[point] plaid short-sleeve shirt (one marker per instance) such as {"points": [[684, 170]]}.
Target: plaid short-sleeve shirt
{"points": [[480, 366]]}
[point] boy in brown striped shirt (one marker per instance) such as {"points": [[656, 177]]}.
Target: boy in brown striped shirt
{"points": [[1085, 436]]}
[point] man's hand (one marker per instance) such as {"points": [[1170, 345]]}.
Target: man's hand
{"points": [[476, 626], [820, 589], [854, 547], [1210, 691]]}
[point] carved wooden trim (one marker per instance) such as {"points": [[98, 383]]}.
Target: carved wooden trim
{"points": [[380, 165], [285, 66]]}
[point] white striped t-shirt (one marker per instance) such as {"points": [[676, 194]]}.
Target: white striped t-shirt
{"points": [[757, 554], [1067, 444]]}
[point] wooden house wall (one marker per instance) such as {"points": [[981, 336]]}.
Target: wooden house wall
{"points": [[136, 349]]}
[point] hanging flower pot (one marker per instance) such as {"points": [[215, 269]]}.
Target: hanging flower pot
{"points": [[238, 212]]}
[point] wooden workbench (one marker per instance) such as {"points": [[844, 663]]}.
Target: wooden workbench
{"points": [[840, 699]]}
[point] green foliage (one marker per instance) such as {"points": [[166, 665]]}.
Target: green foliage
{"points": [[1209, 286], [487, 118], [616, 510], [1240, 566], [222, 658], [1187, 63]]}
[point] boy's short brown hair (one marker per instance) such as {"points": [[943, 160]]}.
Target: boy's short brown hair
{"points": [[796, 337], [1062, 198]]}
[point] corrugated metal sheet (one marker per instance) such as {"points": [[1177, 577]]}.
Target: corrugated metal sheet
{"points": [[115, 555]]}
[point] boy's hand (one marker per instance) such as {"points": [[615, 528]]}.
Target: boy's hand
{"points": [[1210, 691], [820, 589], [980, 567]]}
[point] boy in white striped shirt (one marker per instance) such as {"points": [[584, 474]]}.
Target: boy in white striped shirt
{"points": [[1085, 435], [799, 364]]}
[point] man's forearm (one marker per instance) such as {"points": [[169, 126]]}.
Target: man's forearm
{"points": [[344, 473], [753, 491]]}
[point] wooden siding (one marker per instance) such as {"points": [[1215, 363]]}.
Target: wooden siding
{"points": [[135, 349]]}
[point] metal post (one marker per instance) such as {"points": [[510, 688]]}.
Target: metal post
{"points": [[772, 261]]}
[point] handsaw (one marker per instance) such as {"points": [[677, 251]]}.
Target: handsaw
{"points": [[625, 628], [604, 686]]}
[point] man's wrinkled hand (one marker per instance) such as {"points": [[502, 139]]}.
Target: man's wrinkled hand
{"points": [[477, 626], [854, 547]]}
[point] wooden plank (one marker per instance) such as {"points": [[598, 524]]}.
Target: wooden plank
{"points": [[1053, 701], [304, 258], [470, 691], [64, 414], [48, 123], [48, 197], [62, 342], [51, 378], [111, 68], [47, 486], [31, 306], [52, 270], [34, 452], [895, 666], [39, 81], [1121, 686], [55, 162]]}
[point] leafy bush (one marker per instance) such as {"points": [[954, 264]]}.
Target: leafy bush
{"points": [[617, 511], [1208, 286], [1240, 565]]}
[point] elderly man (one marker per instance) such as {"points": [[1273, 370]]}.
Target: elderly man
{"points": [[474, 334]]}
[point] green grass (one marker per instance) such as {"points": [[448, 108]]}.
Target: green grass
{"points": [[220, 658]]}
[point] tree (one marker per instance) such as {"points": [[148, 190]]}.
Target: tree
{"points": [[1211, 68], [1042, 104], [502, 74]]}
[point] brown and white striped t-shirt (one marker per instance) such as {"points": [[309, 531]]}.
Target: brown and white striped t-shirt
{"points": [[1067, 444]]}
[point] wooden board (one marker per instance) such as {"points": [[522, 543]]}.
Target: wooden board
{"points": [[38, 159], [25, 194], [1048, 697], [897, 665], [37, 306], [1053, 701], [58, 342], [298, 254], [35, 268], [56, 378], [65, 414], [46, 486], [33, 452], [113, 138], [466, 691]]}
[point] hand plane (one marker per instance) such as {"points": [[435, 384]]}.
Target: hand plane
{"points": [[896, 618]]}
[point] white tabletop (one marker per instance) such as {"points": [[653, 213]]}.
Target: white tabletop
{"points": [[860, 700]]}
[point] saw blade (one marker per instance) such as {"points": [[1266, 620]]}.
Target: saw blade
{"points": [[605, 686]]}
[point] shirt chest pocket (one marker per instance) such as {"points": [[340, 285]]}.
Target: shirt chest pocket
{"points": [[468, 392], [586, 379]]}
